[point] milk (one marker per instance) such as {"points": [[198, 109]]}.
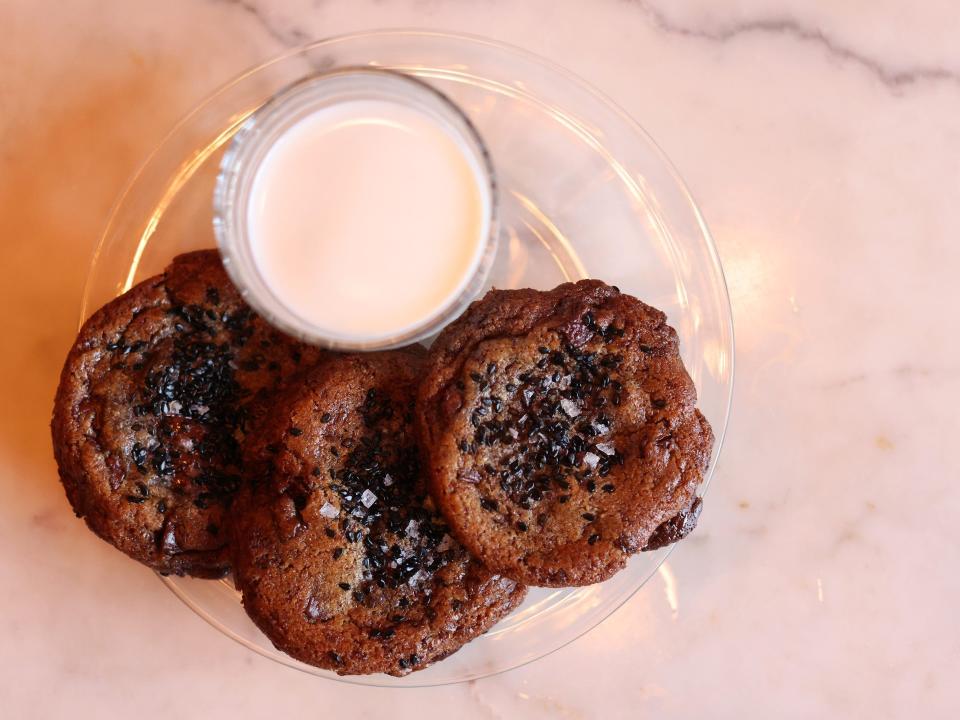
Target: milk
{"points": [[367, 217]]}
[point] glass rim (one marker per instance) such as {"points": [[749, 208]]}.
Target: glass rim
{"points": [[264, 126]]}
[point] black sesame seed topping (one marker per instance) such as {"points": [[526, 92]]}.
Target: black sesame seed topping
{"points": [[546, 427], [593, 539], [374, 479], [344, 586], [326, 417], [139, 454], [337, 552], [295, 431]]}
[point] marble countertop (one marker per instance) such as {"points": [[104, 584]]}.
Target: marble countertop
{"points": [[821, 141]]}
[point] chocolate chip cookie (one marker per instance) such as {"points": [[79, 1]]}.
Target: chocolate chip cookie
{"points": [[341, 557], [153, 403], [560, 432]]}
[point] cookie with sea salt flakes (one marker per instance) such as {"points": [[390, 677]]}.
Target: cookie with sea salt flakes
{"points": [[153, 403], [339, 553], [560, 432]]}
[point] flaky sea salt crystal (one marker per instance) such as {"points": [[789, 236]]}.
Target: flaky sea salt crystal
{"points": [[329, 511], [513, 433], [387, 480], [313, 609], [413, 529], [590, 459], [601, 428], [175, 407], [368, 498], [606, 448], [570, 407], [200, 409], [527, 396], [418, 577], [446, 542]]}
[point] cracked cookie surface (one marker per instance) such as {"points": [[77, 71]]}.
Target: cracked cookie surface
{"points": [[154, 401], [560, 432], [340, 554]]}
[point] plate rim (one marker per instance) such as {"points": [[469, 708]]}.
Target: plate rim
{"points": [[583, 85]]}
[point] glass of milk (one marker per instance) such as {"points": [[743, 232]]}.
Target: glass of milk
{"points": [[357, 210]]}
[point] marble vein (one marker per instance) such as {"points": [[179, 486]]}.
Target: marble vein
{"points": [[286, 36], [480, 703], [895, 79], [900, 372]]}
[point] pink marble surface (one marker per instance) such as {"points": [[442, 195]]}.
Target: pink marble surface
{"points": [[821, 141]]}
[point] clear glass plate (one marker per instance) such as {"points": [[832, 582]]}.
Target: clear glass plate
{"points": [[584, 193]]}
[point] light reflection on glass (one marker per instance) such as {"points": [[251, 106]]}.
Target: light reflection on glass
{"points": [[579, 271], [181, 178], [670, 589]]}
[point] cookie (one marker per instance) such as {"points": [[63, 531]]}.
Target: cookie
{"points": [[153, 403], [339, 553], [560, 432]]}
